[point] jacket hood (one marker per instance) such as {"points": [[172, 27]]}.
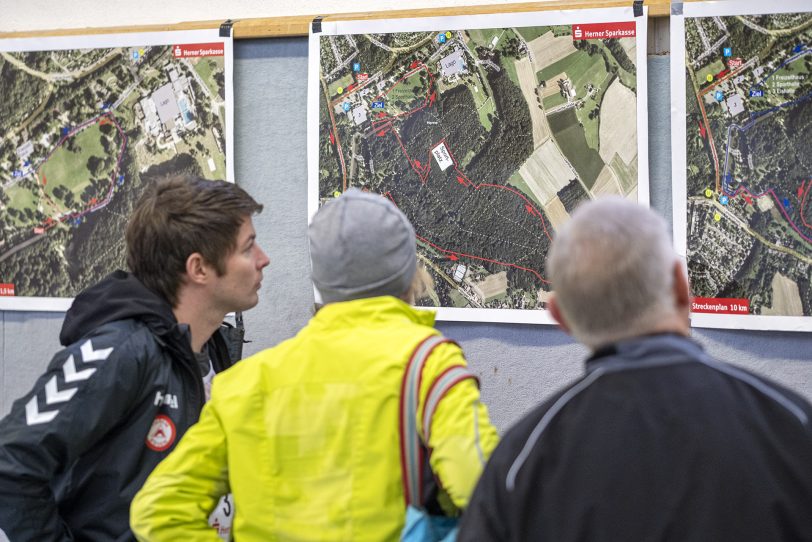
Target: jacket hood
{"points": [[118, 296]]}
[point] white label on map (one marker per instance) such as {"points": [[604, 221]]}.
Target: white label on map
{"points": [[441, 155]]}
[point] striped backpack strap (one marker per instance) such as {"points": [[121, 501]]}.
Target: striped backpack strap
{"points": [[411, 450], [447, 380]]}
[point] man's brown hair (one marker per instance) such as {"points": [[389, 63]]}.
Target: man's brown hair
{"points": [[177, 217]]}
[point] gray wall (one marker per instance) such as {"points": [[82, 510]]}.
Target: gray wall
{"points": [[519, 364]]}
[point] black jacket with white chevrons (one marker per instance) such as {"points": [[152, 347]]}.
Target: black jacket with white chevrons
{"points": [[110, 406]]}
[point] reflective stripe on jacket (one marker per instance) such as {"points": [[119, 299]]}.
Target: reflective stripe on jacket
{"points": [[306, 435]]}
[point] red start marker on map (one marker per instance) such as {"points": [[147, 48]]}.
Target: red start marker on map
{"points": [[194, 50], [735, 63], [720, 305], [602, 31]]}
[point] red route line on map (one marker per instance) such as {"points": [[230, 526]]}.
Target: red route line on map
{"points": [[94, 204], [803, 203], [384, 125], [455, 254], [423, 173]]}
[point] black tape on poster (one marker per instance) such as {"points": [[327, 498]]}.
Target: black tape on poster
{"points": [[225, 29]]}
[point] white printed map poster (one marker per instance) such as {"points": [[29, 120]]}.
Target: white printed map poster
{"points": [[486, 131], [86, 123], [742, 161]]}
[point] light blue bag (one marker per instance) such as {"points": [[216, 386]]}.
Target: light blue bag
{"points": [[420, 525]]}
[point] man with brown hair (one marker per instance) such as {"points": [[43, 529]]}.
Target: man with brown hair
{"points": [[141, 350]]}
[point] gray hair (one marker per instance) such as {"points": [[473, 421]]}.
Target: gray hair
{"points": [[611, 267]]}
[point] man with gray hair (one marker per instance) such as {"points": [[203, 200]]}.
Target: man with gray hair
{"points": [[657, 441]]}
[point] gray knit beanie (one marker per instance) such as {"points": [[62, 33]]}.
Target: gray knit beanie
{"points": [[361, 245]]}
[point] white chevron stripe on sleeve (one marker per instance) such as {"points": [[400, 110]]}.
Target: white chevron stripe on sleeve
{"points": [[88, 354], [53, 395], [52, 392], [33, 416], [70, 372]]}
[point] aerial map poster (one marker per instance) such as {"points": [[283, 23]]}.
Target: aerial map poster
{"points": [[742, 161], [487, 131], [86, 122]]}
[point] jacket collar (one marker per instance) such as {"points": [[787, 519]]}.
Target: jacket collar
{"points": [[372, 310], [645, 349]]}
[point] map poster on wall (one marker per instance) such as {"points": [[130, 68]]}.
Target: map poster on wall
{"points": [[742, 161], [487, 131], [86, 123]]}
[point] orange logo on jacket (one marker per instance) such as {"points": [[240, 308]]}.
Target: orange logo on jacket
{"points": [[161, 434]]}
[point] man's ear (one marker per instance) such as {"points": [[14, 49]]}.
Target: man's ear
{"points": [[197, 271], [555, 311], [682, 290]]}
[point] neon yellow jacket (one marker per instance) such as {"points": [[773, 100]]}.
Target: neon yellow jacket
{"points": [[305, 435]]}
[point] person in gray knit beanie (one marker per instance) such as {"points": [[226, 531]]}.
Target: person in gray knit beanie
{"points": [[361, 245]]}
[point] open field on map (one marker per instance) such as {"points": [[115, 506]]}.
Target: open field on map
{"points": [[630, 46], [528, 86], [492, 288], [607, 183], [628, 78], [594, 104], [342, 83], [549, 49], [69, 168], [408, 94], [207, 149], [580, 66], [786, 298], [570, 137], [551, 87], [618, 123], [553, 100], [556, 212], [626, 173], [517, 181], [484, 37], [531, 33], [457, 299], [22, 198], [484, 105], [546, 172], [207, 68], [584, 70], [709, 69]]}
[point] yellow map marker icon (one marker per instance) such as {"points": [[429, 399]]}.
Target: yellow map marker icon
{"points": [[708, 193], [340, 90], [336, 194], [717, 216], [710, 78]]}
